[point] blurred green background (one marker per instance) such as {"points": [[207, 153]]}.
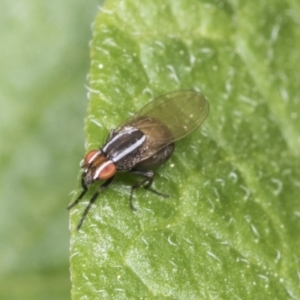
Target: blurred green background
{"points": [[44, 59]]}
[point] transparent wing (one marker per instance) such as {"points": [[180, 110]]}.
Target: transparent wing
{"points": [[182, 112], [169, 118]]}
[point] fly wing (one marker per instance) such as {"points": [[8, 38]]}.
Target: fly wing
{"points": [[179, 113]]}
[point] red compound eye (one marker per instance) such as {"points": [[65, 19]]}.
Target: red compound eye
{"points": [[91, 156], [108, 169]]}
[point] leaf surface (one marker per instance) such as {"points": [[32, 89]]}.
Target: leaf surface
{"points": [[231, 226]]}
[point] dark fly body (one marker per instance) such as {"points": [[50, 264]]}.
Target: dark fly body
{"points": [[142, 142]]}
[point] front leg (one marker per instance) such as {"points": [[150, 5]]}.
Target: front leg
{"points": [[84, 190], [92, 200], [146, 182]]}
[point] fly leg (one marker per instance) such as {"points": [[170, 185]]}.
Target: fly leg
{"points": [[146, 182], [92, 200], [84, 190]]}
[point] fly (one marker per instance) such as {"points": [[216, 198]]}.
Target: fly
{"points": [[142, 142]]}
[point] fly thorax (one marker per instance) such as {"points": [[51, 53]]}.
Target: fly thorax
{"points": [[124, 147]]}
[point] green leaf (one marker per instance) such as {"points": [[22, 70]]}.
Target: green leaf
{"points": [[230, 228]]}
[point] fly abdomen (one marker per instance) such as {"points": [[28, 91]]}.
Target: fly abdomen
{"points": [[156, 159]]}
